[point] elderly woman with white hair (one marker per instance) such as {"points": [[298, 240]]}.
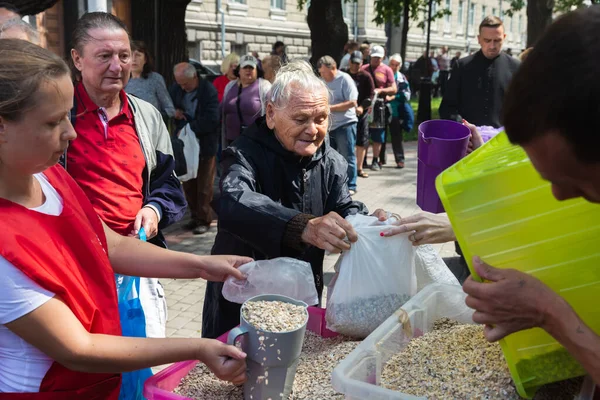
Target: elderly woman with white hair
{"points": [[284, 190], [402, 114]]}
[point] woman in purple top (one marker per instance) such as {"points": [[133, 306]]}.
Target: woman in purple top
{"points": [[243, 100]]}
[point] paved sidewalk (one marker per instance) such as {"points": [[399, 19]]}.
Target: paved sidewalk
{"points": [[391, 189]]}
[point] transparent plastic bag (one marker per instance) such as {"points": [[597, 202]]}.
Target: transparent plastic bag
{"points": [[431, 268], [373, 279], [285, 276]]}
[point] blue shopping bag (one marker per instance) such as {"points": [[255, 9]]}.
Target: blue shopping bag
{"points": [[133, 324]]}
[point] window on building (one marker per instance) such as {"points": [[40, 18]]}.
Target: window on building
{"points": [[448, 7], [471, 15], [460, 11], [520, 24], [494, 12], [512, 25], [195, 50], [483, 12], [238, 1], [239, 49], [280, 5]]}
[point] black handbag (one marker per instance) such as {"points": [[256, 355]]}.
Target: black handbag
{"points": [[179, 155]]}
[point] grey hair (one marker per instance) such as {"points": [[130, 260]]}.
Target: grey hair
{"points": [[327, 61], [292, 78], [18, 23], [396, 57], [187, 71]]}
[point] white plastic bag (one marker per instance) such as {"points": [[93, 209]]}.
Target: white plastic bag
{"points": [[430, 268], [285, 276], [191, 150], [373, 279]]}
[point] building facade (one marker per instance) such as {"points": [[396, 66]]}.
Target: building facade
{"points": [[459, 30], [254, 25]]}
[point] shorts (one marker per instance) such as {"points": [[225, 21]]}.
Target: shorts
{"points": [[377, 135], [362, 131]]}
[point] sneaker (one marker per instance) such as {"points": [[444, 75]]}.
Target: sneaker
{"points": [[375, 166], [201, 229], [352, 192]]}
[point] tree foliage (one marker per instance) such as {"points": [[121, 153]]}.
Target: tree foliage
{"points": [[392, 11]]}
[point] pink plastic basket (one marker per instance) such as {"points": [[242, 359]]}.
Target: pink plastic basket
{"points": [[161, 385]]}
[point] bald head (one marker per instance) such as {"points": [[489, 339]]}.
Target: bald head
{"points": [[7, 13], [186, 76]]}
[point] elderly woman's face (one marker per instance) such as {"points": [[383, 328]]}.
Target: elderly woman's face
{"points": [[301, 126], [105, 64]]}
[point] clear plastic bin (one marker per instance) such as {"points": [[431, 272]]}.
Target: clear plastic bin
{"points": [[161, 385], [502, 211], [358, 375]]}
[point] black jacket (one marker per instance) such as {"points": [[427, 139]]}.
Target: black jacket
{"points": [[476, 88], [206, 121], [267, 196]]}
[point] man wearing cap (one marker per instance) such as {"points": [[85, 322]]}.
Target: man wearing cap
{"points": [[385, 85], [197, 104], [366, 89], [342, 134]]}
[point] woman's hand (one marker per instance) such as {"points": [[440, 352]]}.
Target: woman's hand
{"points": [[475, 141], [426, 228], [226, 362], [383, 215], [328, 233], [218, 268]]}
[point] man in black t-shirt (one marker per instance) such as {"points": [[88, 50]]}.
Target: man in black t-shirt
{"points": [[366, 88]]}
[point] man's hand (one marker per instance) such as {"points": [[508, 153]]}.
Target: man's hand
{"points": [[512, 301], [359, 111], [475, 141], [218, 268], [226, 362], [179, 114], [426, 228], [328, 233], [147, 218]]}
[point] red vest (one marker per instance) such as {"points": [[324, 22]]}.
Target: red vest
{"points": [[66, 255]]}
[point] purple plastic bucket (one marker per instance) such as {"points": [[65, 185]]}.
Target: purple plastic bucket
{"points": [[441, 144]]}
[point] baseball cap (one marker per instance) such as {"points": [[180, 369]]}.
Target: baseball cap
{"points": [[377, 51], [246, 61], [356, 57]]}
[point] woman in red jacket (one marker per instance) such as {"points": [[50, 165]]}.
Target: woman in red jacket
{"points": [[60, 336]]}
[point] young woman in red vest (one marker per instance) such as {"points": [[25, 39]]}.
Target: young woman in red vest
{"points": [[60, 336]]}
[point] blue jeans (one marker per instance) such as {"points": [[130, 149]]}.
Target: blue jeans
{"points": [[343, 139]]}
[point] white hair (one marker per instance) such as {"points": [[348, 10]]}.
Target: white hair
{"points": [[187, 71], [396, 57], [292, 79], [21, 25]]}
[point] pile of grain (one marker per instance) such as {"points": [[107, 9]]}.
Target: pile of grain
{"points": [[313, 377], [456, 361], [274, 316]]}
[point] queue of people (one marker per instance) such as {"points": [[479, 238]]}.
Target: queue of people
{"points": [[69, 228]]}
